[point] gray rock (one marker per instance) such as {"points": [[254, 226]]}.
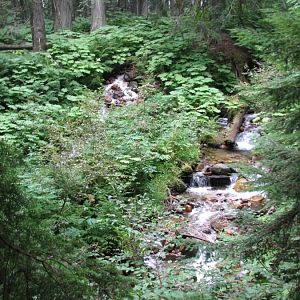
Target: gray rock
{"points": [[221, 169], [219, 180]]}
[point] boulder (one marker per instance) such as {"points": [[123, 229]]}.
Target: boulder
{"points": [[219, 180], [219, 224], [221, 169], [118, 94], [257, 201], [200, 167], [133, 85], [241, 185], [188, 208], [229, 232], [179, 187]]}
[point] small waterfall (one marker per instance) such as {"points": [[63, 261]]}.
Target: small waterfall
{"points": [[199, 180], [233, 179], [215, 202], [120, 92], [245, 139], [205, 261]]}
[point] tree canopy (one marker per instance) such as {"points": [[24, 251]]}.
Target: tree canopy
{"points": [[108, 110]]}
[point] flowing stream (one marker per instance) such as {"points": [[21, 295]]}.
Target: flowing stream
{"points": [[220, 203], [215, 195], [120, 92], [216, 192], [250, 133]]}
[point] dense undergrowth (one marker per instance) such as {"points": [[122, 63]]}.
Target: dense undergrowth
{"points": [[80, 190], [98, 183]]}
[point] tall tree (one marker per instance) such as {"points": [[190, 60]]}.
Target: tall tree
{"points": [[63, 14], [38, 26], [98, 14], [122, 4], [142, 7], [17, 3], [22, 8]]}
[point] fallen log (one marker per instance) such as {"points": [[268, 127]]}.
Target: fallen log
{"points": [[16, 47], [235, 127], [198, 235], [228, 135]]}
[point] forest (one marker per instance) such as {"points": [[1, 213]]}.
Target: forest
{"points": [[149, 149]]}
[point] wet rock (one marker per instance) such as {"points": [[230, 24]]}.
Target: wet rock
{"points": [[237, 204], [221, 169], [200, 167], [212, 145], [130, 74], [115, 87], [241, 185], [219, 224], [187, 177], [199, 235], [118, 94], [207, 230], [107, 99], [229, 144], [229, 232], [179, 187], [257, 201], [133, 85], [219, 180], [188, 208]]}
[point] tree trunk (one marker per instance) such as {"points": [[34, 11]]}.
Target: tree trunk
{"points": [[145, 8], [63, 14], [142, 7], [122, 4], [38, 26], [133, 6], [98, 14]]}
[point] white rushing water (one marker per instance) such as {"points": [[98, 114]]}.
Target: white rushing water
{"points": [[245, 140], [205, 262], [120, 92], [214, 207], [218, 201]]}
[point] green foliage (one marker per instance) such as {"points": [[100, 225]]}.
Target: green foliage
{"points": [[275, 243], [96, 184], [35, 262], [33, 77], [276, 39], [15, 35], [81, 25]]}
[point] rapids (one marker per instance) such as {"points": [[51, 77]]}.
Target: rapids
{"points": [[215, 201]]}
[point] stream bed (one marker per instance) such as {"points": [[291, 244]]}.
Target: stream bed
{"points": [[207, 209], [209, 206]]}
